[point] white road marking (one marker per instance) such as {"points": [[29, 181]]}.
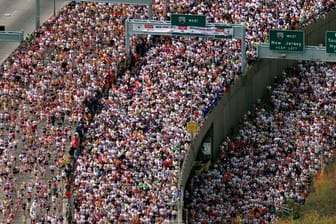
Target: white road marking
{"points": [[8, 14]]}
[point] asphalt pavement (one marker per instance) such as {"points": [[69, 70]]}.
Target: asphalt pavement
{"points": [[19, 15]]}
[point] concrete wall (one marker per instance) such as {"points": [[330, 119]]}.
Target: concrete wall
{"points": [[241, 97]]}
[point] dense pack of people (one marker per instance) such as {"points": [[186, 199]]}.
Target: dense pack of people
{"points": [[48, 93], [280, 146], [128, 164], [34, 135], [138, 140]]}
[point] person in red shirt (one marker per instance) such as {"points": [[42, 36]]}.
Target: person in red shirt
{"points": [[74, 144]]}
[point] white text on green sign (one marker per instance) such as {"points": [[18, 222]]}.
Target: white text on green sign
{"points": [[286, 40], [330, 42]]}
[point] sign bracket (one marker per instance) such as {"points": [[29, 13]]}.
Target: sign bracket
{"points": [[11, 36], [164, 28]]}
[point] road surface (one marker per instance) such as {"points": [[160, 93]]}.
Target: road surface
{"points": [[19, 15]]}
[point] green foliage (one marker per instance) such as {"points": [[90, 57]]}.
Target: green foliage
{"points": [[320, 206]]}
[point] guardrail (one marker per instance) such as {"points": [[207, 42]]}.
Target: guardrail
{"points": [[11, 36]]}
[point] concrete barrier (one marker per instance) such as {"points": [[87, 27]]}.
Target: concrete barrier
{"points": [[243, 94]]}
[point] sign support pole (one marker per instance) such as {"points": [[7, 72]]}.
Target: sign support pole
{"points": [[127, 38], [37, 14], [54, 8], [240, 33], [150, 11], [243, 51]]}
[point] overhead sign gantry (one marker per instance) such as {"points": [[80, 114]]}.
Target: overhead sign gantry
{"points": [[186, 25], [289, 44]]}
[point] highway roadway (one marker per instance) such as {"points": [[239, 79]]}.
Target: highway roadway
{"points": [[19, 15]]}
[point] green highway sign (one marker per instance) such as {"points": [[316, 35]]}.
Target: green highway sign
{"points": [[286, 40], [330, 41], [188, 20]]}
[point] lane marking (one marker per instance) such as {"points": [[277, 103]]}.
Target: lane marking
{"points": [[8, 14]]}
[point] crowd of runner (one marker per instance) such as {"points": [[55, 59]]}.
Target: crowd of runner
{"points": [[279, 148], [127, 169]]}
